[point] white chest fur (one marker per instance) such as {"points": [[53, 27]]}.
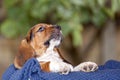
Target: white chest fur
{"points": [[49, 55], [56, 63]]}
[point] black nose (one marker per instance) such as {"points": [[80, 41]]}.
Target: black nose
{"points": [[57, 27]]}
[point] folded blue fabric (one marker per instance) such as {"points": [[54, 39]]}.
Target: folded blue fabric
{"points": [[31, 71]]}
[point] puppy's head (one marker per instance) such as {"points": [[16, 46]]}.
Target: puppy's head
{"points": [[41, 34], [37, 41]]}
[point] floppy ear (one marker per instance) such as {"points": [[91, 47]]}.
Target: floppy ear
{"points": [[25, 52], [30, 35]]}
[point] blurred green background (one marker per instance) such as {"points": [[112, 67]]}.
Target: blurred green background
{"points": [[90, 27]]}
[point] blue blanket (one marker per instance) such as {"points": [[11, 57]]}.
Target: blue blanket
{"points": [[31, 71]]}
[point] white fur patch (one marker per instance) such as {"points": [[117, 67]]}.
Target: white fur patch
{"points": [[53, 43]]}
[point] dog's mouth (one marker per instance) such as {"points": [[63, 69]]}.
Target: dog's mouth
{"points": [[55, 39]]}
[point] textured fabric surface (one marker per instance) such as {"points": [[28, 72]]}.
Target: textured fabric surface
{"points": [[31, 71]]}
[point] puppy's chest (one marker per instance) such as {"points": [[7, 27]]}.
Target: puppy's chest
{"points": [[49, 55]]}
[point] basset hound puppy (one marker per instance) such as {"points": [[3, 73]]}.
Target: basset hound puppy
{"points": [[42, 43]]}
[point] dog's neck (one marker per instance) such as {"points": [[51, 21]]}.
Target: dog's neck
{"points": [[50, 54], [52, 45]]}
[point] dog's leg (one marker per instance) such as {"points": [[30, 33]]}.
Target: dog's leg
{"points": [[86, 67], [61, 67]]}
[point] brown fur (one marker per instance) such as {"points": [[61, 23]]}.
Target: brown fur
{"points": [[45, 66]]}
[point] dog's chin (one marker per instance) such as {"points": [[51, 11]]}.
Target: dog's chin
{"points": [[54, 41]]}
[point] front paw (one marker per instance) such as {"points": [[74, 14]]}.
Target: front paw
{"points": [[60, 67], [86, 67]]}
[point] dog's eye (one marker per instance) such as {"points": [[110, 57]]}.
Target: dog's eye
{"points": [[41, 29]]}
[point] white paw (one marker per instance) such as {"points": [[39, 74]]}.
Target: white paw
{"points": [[60, 67], [86, 67]]}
